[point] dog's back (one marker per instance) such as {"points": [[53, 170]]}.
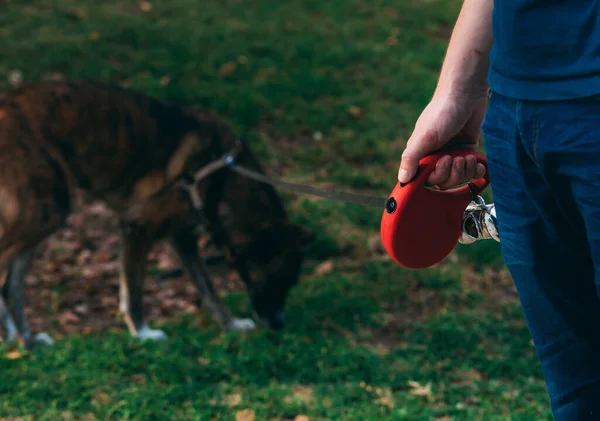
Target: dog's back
{"points": [[104, 137], [118, 144]]}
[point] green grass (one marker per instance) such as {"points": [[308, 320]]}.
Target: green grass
{"points": [[368, 341]]}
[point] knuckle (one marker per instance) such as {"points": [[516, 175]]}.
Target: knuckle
{"points": [[430, 137], [407, 155]]}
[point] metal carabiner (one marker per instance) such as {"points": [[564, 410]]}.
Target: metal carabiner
{"points": [[479, 222]]}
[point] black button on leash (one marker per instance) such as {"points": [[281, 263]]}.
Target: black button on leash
{"points": [[390, 205]]}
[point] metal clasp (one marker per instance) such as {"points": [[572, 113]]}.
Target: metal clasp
{"points": [[479, 221]]}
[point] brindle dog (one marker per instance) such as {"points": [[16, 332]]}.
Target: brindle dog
{"points": [[127, 149]]}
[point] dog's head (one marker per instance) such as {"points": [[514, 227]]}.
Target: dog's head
{"points": [[268, 246], [274, 259]]}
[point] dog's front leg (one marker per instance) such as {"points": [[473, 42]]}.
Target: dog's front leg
{"points": [[12, 293], [136, 244], [186, 246], [9, 328]]}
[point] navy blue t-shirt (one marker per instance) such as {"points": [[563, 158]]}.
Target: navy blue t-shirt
{"points": [[546, 49]]}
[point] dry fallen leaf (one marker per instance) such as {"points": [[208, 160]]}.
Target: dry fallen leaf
{"points": [[138, 378], [15, 78], [66, 416], [245, 415], [101, 398], [94, 36], [472, 375], [83, 257], [165, 80], [51, 267], [392, 40], [444, 418], [233, 399], [302, 394], [145, 6], [420, 390], [324, 268], [13, 355], [355, 112], [227, 68], [301, 418], [390, 12], [68, 316], [385, 397]]}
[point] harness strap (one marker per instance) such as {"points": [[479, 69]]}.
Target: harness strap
{"points": [[190, 184]]}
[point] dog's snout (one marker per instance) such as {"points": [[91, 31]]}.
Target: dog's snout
{"points": [[277, 321]]}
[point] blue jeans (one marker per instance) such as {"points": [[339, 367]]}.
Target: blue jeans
{"points": [[544, 163]]}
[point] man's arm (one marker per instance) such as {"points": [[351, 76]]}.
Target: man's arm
{"points": [[459, 101], [465, 66]]}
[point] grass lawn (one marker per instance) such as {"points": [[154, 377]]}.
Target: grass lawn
{"points": [[327, 93]]}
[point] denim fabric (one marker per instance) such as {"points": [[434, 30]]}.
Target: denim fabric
{"points": [[544, 163]]}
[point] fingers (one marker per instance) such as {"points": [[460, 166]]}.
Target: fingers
{"points": [[416, 149], [442, 171], [450, 172], [480, 171]]}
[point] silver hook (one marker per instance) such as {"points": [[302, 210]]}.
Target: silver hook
{"points": [[479, 222]]}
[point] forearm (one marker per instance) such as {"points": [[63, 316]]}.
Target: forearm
{"points": [[465, 67]]}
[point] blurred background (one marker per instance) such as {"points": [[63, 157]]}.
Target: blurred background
{"points": [[326, 92]]}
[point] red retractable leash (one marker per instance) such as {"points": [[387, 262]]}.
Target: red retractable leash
{"points": [[420, 225]]}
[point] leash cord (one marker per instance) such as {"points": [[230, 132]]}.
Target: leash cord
{"points": [[305, 189]]}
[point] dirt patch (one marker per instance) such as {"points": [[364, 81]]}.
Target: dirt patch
{"points": [[73, 284], [496, 286]]}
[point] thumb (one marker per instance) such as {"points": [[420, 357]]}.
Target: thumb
{"points": [[416, 148]]}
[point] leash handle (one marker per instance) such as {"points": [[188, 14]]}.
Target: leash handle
{"points": [[427, 165], [421, 225]]}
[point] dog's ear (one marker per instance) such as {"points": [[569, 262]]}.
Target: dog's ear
{"points": [[188, 146], [302, 235]]}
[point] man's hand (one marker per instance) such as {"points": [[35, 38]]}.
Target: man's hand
{"points": [[447, 120], [457, 108]]}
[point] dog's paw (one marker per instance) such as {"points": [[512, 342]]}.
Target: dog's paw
{"points": [[241, 325], [10, 333], [145, 333], [41, 338]]}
